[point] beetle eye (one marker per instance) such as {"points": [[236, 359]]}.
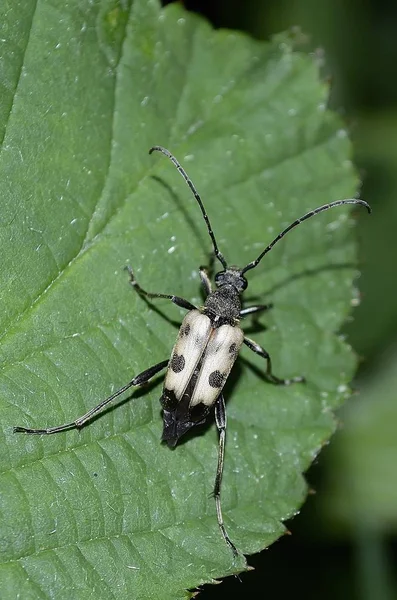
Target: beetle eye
{"points": [[219, 277], [244, 283]]}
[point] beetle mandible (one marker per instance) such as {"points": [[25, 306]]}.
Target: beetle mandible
{"points": [[205, 351]]}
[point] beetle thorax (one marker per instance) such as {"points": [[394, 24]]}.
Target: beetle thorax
{"points": [[223, 306]]}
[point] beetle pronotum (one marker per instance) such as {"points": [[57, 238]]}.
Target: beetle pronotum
{"points": [[206, 348]]}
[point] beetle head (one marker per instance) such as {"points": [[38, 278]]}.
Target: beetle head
{"points": [[231, 276]]}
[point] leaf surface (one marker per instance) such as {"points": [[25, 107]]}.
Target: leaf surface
{"points": [[108, 512]]}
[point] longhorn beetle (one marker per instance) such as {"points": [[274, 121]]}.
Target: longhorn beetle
{"points": [[206, 348]]}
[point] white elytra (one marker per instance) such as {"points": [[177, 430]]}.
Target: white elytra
{"points": [[220, 347], [190, 347], [220, 355]]}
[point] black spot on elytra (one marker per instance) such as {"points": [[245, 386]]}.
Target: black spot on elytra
{"points": [[186, 329], [216, 379], [233, 348], [177, 363]]}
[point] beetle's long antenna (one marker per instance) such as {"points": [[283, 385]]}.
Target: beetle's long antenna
{"points": [[311, 213], [185, 176]]}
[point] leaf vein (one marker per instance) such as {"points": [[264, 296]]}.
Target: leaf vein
{"points": [[18, 79]]}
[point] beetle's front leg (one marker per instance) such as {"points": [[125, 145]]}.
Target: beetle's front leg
{"points": [[205, 280], [269, 374], [253, 310], [175, 299], [140, 379]]}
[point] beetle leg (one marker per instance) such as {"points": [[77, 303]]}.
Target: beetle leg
{"points": [[140, 379], [175, 299], [220, 419], [205, 280], [251, 310], [262, 352], [211, 264]]}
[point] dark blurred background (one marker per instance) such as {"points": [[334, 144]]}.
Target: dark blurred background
{"points": [[344, 542]]}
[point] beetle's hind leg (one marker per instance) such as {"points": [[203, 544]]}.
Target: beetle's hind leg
{"points": [[175, 299], [140, 379], [220, 419], [269, 373]]}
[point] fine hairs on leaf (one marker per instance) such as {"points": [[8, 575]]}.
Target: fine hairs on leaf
{"points": [[109, 511]]}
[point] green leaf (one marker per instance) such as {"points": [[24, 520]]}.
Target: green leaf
{"points": [[87, 88]]}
